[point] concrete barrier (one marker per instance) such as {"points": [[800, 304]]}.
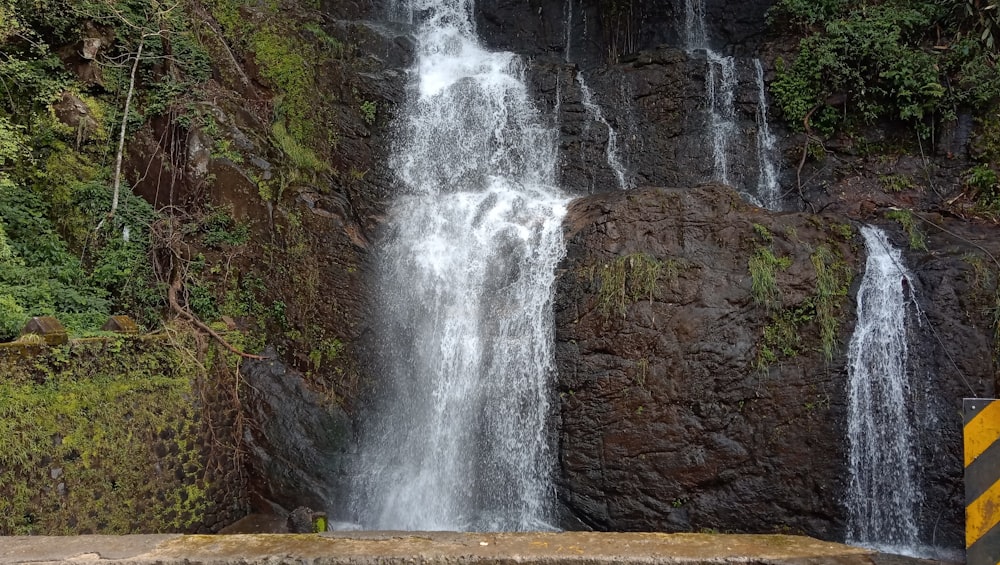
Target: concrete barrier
{"points": [[413, 548]]}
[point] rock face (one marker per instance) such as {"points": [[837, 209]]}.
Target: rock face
{"points": [[666, 424], [668, 419], [601, 31], [297, 444]]}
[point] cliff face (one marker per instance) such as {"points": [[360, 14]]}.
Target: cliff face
{"points": [[670, 417], [687, 401]]}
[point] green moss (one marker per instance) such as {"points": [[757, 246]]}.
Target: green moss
{"points": [[300, 155], [283, 62], [101, 436]]}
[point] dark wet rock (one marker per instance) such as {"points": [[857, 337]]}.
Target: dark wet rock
{"points": [[300, 521], [297, 443], [600, 31]]}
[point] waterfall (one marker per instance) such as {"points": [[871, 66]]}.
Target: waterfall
{"points": [[721, 82], [567, 55], [882, 498], [611, 149], [611, 152], [768, 189], [456, 438], [720, 87]]}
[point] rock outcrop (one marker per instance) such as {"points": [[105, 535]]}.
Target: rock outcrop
{"points": [[672, 415]]}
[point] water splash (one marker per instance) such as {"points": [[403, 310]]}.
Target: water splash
{"points": [[883, 498], [456, 438]]}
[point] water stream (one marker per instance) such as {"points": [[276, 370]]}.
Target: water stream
{"points": [[720, 86], [721, 83], [768, 189], [456, 438], [883, 499], [611, 149]]}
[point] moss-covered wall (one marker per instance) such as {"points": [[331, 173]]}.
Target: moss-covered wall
{"points": [[117, 435]]}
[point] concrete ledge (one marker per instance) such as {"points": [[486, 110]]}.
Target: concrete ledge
{"points": [[410, 548]]}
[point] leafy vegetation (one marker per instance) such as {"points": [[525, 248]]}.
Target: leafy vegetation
{"points": [[905, 220], [784, 333], [763, 266], [71, 247], [628, 279], [862, 61], [833, 281]]}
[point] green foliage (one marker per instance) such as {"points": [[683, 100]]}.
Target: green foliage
{"points": [[861, 62], [782, 335], [806, 12], [896, 182], [984, 282], [368, 111], [763, 233], [300, 155], [763, 266], [628, 279], [335, 47], [219, 229], [905, 220], [985, 184], [982, 20], [327, 351], [833, 281], [12, 317], [283, 63]]}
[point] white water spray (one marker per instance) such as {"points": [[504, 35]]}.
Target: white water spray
{"points": [[457, 438], [883, 498]]}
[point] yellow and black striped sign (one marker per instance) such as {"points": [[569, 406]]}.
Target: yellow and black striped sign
{"points": [[982, 481]]}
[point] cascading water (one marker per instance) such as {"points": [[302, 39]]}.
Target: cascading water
{"points": [[720, 85], [611, 153], [457, 436], [883, 498], [768, 189], [721, 82]]}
